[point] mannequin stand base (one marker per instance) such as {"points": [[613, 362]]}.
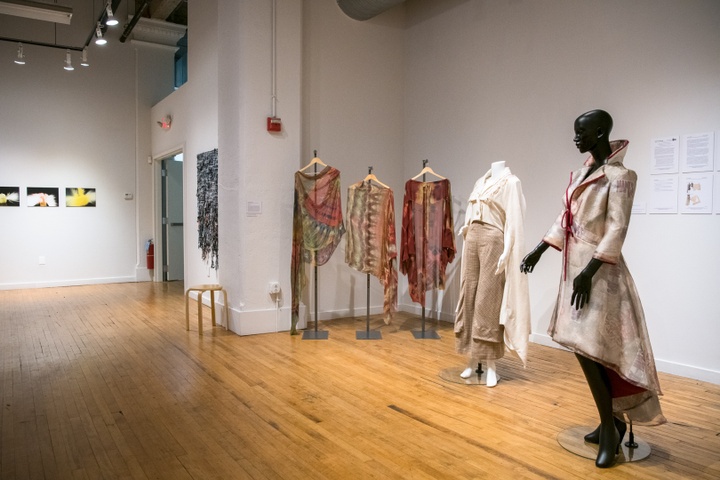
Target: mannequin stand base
{"points": [[572, 440], [426, 335], [452, 374], [368, 335], [315, 335]]}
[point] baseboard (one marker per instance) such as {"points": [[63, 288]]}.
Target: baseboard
{"points": [[674, 368], [67, 283], [416, 309]]}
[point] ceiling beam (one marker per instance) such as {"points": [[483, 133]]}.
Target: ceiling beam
{"points": [[161, 9]]}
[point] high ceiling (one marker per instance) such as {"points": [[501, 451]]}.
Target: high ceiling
{"points": [[85, 14]]}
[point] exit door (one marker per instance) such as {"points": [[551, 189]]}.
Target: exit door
{"points": [[172, 218]]}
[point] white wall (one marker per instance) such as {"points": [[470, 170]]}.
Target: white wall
{"points": [[504, 80], [74, 129]]}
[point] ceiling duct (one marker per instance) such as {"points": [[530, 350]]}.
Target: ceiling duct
{"points": [[366, 9]]}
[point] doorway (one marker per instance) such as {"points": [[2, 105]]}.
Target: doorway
{"points": [[173, 263]]}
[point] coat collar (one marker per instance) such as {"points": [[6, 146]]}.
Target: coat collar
{"points": [[618, 148]]}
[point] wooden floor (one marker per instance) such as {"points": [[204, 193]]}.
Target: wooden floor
{"points": [[104, 382]]}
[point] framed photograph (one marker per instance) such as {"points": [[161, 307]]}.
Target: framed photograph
{"points": [[9, 196], [79, 197], [42, 196]]}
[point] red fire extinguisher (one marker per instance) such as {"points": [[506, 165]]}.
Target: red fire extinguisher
{"points": [[150, 250]]}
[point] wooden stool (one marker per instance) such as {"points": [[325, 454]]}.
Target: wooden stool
{"points": [[212, 288]]}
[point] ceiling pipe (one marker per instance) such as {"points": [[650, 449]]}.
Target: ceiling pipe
{"points": [[136, 18], [366, 9]]}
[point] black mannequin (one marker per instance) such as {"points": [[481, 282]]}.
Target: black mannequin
{"points": [[592, 130]]}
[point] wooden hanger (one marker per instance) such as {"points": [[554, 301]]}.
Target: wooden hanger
{"points": [[314, 161], [427, 170], [374, 179]]}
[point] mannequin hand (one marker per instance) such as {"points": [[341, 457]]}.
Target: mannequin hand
{"points": [[581, 290], [502, 263], [532, 258], [583, 284], [462, 231]]}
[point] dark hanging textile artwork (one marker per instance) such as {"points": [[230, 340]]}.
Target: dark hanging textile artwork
{"points": [[207, 204]]}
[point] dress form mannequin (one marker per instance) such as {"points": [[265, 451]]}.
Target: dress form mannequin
{"points": [[496, 168], [622, 380]]}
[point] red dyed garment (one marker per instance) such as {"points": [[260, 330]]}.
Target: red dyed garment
{"points": [[427, 242]]}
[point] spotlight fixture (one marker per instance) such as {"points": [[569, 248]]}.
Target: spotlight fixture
{"points": [[111, 20], [99, 40], [84, 61], [68, 62], [20, 60]]}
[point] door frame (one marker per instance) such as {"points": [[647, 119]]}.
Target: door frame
{"points": [[157, 207]]}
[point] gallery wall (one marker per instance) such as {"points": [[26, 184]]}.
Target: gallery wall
{"points": [[76, 129]]}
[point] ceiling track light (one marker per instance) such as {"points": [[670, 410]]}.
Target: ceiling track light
{"points": [[20, 60], [84, 61], [99, 40], [68, 62], [111, 20]]}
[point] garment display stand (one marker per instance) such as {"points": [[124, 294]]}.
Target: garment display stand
{"points": [[452, 375], [424, 334], [315, 334], [368, 334], [633, 450]]}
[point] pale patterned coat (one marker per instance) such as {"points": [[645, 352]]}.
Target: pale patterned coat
{"points": [[610, 328]]}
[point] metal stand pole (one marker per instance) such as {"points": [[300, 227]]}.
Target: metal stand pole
{"points": [[423, 334], [315, 334], [368, 334]]}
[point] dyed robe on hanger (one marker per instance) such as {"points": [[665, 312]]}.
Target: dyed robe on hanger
{"points": [[370, 237], [610, 329], [427, 242], [317, 227]]}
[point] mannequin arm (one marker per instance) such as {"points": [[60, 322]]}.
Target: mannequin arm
{"points": [[583, 284], [532, 258]]}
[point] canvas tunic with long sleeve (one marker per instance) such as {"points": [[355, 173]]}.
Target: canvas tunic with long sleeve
{"points": [[610, 329], [499, 201], [317, 227], [370, 240], [427, 242]]}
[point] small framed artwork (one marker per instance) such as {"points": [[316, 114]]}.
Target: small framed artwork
{"points": [[79, 197], [42, 196], [9, 196]]}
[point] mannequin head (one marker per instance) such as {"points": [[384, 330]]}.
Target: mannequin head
{"points": [[592, 134]]}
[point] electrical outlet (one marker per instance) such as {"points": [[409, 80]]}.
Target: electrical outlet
{"points": [[273, 288], [41, 260]]}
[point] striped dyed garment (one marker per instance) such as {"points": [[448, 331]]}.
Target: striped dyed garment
{"points": [[371, 237], [427, 242], [317, 227]]}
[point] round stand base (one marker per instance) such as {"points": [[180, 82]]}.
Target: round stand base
{"points": [[452, 374], [572, 440]]}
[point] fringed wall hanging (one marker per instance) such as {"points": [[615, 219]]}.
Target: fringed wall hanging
{"points": [[207, 204]]}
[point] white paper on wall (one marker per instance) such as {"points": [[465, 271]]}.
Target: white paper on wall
{"points": [[696, 193], [698, 152], [664, 155], [664, 194]]}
